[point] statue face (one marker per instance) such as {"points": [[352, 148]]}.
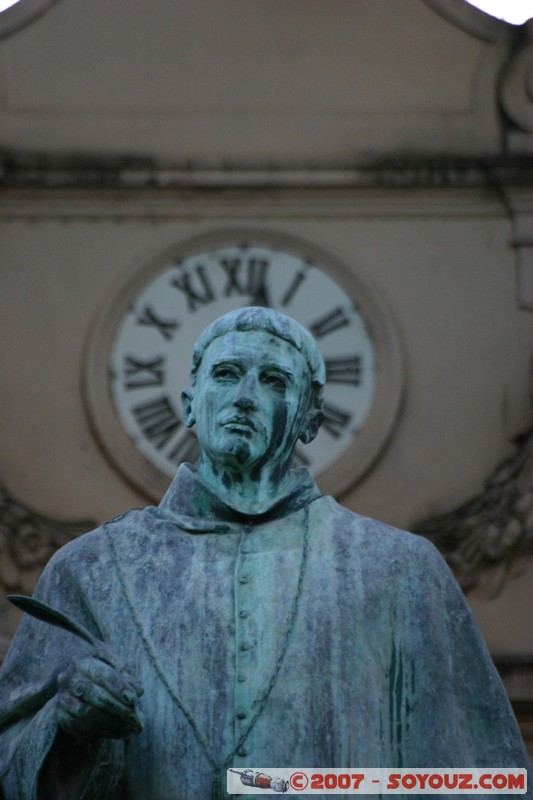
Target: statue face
{"points": [[251, 400]]}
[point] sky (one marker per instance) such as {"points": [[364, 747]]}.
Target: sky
{"points": [[514, 11]]}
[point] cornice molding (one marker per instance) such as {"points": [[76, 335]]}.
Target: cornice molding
{"points": [[520, 204], [253, 203], [78, 171]]}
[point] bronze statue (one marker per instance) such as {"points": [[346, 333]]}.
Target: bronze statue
{"points": [[247, 621]]}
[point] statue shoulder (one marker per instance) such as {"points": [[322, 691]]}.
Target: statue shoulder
{"points": [[377, 538], [92, 546]]}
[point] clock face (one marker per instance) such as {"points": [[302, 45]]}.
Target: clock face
{"points": [[150, 330]]}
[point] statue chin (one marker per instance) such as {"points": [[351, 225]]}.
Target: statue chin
{"points": [[243, 453], [236, 456], [240, 456]]}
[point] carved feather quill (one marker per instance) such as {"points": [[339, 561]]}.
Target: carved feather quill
{"points": [[46, 613]]}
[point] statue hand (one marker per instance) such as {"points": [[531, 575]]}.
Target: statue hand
{"points": [[95, 699]]}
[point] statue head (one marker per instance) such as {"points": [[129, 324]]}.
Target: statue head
{"points": [[257, 381]]}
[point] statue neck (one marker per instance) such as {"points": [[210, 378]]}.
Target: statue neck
{"points": [[248, 492]]}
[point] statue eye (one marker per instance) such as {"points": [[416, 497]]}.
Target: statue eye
{"points": [[225, 373], [275, 381]]}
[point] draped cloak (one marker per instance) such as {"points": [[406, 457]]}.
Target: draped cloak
{"points": [[350, 637]]}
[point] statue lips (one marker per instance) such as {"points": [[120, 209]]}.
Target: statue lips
{"points": [[240, 424]]}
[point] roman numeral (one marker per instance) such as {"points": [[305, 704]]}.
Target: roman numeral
{"points": [[140, 373], [187, 449], [246, 278], [157, 420], [344, 370], [166, 327], [195, 286], [335, 420], [293, 288], [329, 323]]}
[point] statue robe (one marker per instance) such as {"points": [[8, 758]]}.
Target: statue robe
{"points": [[379, 664]]}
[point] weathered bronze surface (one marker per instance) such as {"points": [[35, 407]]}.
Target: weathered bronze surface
{"points": [[260, 624]]}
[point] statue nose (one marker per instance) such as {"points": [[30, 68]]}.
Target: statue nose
{"points": [[246, 395]]}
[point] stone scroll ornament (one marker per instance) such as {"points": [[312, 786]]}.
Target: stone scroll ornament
{"points": [[486, 539], [516, 86], [27, 541]]}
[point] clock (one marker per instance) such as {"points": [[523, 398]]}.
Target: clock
{"points": [[138, 357]]}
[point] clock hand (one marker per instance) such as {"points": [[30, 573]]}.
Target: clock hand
{"points": [[261, 298]]}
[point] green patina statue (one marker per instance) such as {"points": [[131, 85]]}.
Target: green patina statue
{"points": [[247, 621]]}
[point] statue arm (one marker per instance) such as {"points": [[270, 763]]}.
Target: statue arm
{"points": [[37, 759], [39, 762], [476, 722]]}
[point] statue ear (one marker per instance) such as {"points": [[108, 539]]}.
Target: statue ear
{"points": [[187, 398], [312, 425]]}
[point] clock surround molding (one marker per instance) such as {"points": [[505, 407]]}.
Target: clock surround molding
{"points": [[368, 445]]}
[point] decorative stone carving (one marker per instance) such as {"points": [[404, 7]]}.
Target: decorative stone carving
{"points": [[27, 541], [516, 93], [482, 539]]}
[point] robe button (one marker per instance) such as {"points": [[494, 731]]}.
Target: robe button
{"points": [[244, 614], [241, 715], [242, 751], [245, 646], [244, 579], [241, 678]]}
